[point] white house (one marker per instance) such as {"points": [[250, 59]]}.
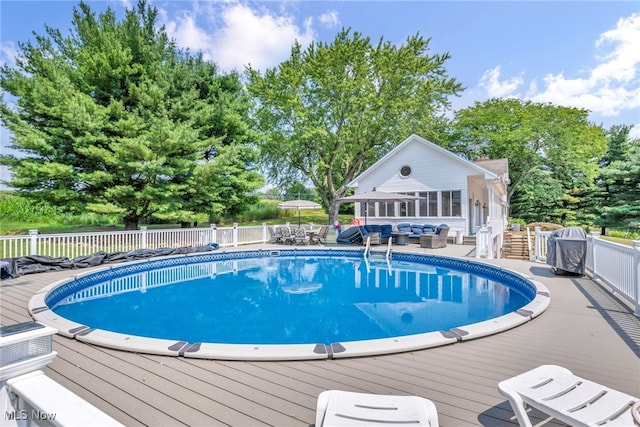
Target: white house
{"points": [[463, 194]]}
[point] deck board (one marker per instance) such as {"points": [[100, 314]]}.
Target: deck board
{"points": [[585, 329]]}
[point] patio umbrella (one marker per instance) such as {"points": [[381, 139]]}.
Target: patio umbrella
{"points": [[299, 204], [378, 196]]}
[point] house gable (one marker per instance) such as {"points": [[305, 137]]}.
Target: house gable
{"points": [[427, 167]]}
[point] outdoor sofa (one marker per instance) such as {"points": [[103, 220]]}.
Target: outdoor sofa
{"points": [[415, 230]]}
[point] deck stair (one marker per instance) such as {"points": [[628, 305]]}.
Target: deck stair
{"points": [[515, 246]]}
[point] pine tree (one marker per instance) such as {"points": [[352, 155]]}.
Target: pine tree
{"points": [[115, 119]]}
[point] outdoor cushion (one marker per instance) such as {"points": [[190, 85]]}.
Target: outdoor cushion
{"points": [[416, 230], [404, 227], [386, 230], [440, 227], [364, 230], [428, 228], [373, 228]]}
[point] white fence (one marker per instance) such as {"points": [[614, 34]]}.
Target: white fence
{"points": [[618, 266], [72, 245]]}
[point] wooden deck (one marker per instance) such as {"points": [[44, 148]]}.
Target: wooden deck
{"points": [[584, 329]]}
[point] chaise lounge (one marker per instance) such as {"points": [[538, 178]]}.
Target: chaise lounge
{"points": [[343, 408], [576, 401]]}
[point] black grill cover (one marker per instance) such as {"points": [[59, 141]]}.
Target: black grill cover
{"points": [[567, 250]]}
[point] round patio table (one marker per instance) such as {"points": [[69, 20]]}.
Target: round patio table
{"points": [[400, 237]]}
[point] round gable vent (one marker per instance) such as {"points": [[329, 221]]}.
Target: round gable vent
{"points": [[405, 171]]}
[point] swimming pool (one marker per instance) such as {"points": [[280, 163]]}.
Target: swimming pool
{"points": [[288, 304]]}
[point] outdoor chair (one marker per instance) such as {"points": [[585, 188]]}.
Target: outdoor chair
{"points": [[373, 236], [287, 236], [275, 235], [320, 236], [435, 240], [576, 401], [344, 408], [300, 236]]}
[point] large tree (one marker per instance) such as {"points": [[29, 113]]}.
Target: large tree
{"points": [[553, 153], [332, 109], [617, 199], [114, 118]]}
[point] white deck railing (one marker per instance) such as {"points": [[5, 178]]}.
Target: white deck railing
{"points": [[72, 245], [618, 266], [489, 239]]}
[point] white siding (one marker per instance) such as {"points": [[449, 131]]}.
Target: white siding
{"points": [[431, 170]]}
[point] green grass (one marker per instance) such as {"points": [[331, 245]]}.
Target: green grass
{"points": [[619, 240]]}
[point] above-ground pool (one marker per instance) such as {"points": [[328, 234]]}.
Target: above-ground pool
{"points": [[288, 304]]}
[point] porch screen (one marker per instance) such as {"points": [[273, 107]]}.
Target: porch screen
{"points": [[387, 208], [451, 203], [408, 208], [428, 203]]}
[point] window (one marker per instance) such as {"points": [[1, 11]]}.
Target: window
{"points": [[367, 209], [408, 208], [450, 202], [387, 208], [405, 171], [428, 203]]}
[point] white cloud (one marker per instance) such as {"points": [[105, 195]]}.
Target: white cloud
{"points": [[186, 33], [237, 35], [8, 53], [260, 39], [490, 82], [330, 19], [608, 89]]}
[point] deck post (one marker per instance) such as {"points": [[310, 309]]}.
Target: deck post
{"points": [[143, 237], [635, 274], [264, 232], [33, 239], [234, 236], [595, 237], [536, 243], [214, 233]]}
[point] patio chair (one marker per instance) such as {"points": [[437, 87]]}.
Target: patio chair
{"points": [[344, 408], [556, 391], [275, 235], [320, 236], [287, 236], [435, 240], [300, 236]]}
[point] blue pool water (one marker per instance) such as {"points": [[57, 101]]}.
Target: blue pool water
{"points": [[290, 299]]}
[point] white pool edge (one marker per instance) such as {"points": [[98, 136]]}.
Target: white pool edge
{"points": [[260, 352]]}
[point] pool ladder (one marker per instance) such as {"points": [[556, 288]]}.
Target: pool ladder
{"points": [[369, 256]]}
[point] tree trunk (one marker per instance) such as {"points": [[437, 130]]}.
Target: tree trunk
{"points": [[334, 207], [130, 222]]}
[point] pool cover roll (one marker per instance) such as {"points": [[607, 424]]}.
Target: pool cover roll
{"points": [[567, 250], [15, 267]]}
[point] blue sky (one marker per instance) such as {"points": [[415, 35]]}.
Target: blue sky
{"points": [[582, 54]]}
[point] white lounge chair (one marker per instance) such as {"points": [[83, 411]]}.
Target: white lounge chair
{"points": [[343, 408], [556, 391]]}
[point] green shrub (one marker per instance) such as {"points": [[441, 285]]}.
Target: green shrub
{"points": [[20, 209]]}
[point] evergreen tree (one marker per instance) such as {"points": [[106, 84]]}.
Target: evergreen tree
{"points": [[114, 118], [617, 201]]}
